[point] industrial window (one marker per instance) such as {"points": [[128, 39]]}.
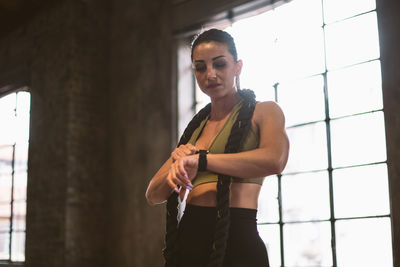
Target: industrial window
{"points": [[319, 59], [14, 141]]}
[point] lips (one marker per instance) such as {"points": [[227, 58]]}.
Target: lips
{"points": [[213, 85]]}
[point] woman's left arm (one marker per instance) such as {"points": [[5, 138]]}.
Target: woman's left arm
{"points": [[269, 158]]}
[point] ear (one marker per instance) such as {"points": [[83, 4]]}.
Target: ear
{"points": [[238, 67]]}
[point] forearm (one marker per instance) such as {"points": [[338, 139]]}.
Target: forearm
{"points": [[158, 190], [249, 164], [165, 180]]}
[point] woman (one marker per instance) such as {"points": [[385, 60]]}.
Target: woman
{"points": [[221, 158]]}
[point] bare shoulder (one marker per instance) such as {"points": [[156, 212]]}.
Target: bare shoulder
{"points": [[268, 112]]}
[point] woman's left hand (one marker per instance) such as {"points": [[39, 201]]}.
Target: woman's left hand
{"points": [[186, 167]]}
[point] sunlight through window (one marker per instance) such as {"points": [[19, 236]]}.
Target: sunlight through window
{"points": [[319, 59], [14, 136]]}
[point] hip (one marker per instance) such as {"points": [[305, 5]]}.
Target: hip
{"points": [[196, 231]]}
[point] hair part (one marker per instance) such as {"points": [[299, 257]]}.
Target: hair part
{"points": [[215, 35]]}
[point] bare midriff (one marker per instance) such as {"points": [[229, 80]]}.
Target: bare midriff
{"points": [[242, 195]]}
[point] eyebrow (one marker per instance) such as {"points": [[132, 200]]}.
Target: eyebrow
{"points": [[214, 58]]}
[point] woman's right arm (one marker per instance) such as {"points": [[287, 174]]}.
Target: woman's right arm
{"points": [[164, 182], [159, 190]]}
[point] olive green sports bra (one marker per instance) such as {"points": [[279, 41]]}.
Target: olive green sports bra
{"points": [[218, 147]]}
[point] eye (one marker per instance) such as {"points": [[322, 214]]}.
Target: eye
{"points": [[200, 67], [219, 64]]}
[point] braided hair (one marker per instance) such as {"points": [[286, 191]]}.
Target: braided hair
{"points": [[235, 142], [172, 202]]}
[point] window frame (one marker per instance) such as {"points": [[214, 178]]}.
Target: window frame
{"points": [[5, 91], [327, 121]]}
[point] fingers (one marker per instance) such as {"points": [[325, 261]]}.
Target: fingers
{"points": [[177, 154], [180, 171], [176, 179], [183, 151], [171, 183], [191, 148]]}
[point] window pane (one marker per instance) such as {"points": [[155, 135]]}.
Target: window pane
{"points": [[19, 213], [18, 246], [21, 157], [339, 9], [185, 84], [361, 191], [268, 206], [305, 196], [4, 246], [304, 58], [6, 154], [307, 148], [201, 98], [21, 132], [299, 43], [257, 51], [352, 41], [5, 189], [355, 90], [364, 243], [23, 104], [4, 224], [307, 244], [302, 14], [20, 182], [358, 140], [5, 210], [310, 93], [271, 237], [7, 117], [264, 93]]}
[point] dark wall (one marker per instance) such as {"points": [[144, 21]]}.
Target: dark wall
{"points": [[99, 74], [62, 55], [140, 128], [100, 80], [389, 25]]}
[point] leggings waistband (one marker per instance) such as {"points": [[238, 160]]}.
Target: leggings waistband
{"points": [[235, 213]]}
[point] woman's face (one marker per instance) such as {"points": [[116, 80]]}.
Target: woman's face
{"points": [[215, 69]]}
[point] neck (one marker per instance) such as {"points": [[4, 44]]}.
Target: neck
{"points": [[221, 107]]}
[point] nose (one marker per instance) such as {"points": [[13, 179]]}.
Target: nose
{"points": [[211, 73]]}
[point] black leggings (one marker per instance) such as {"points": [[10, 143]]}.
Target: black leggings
{"points": [[196, 229]]}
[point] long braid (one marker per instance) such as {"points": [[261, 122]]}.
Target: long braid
{"points": [[235, 142], [171, 235]]}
